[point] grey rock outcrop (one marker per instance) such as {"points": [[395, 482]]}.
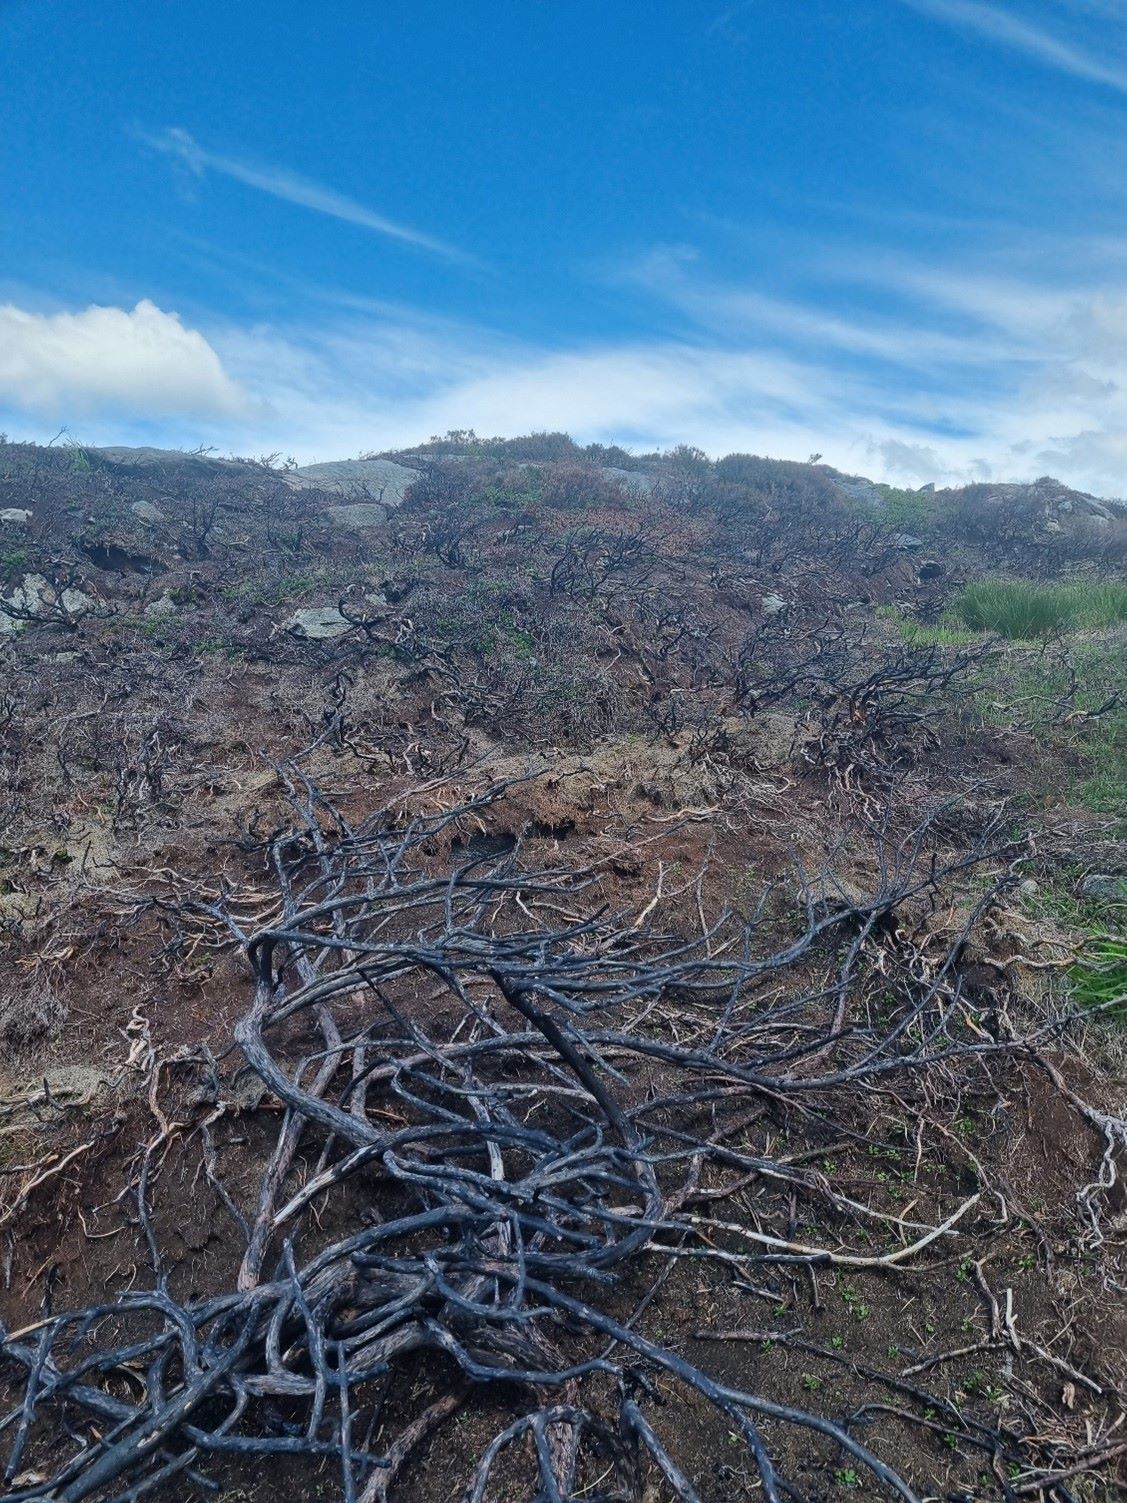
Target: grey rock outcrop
{"points": [[857, 488], [381, 479], [318, 623], [163, 605], [359, 515], [26, 597], [631, 480], [145, 511], [36, 601], [144, 457]]}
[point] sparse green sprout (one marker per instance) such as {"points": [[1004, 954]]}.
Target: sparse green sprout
{"points": [[854, 1303]]}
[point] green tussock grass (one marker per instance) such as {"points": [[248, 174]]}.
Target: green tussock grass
{"points": [[944, 635], [270, 591], [1075, 699], [1099, 979], [1022, 609], [949, 632], [1102, 742]]}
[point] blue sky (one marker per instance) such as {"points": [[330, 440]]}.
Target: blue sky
{"points": [[890, 231]]}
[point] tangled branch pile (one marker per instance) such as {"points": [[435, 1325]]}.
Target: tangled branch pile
{"points": [[509, 1103]]}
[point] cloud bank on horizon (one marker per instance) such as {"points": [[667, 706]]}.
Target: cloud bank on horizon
{"points": [[958, 311], [1035, 383]]}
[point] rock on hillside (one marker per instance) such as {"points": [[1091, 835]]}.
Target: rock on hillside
{"points": [[144, 458], [381, 479], [1052, 498]]}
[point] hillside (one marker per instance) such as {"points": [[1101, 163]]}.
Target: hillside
{"points": [[533, 971]]}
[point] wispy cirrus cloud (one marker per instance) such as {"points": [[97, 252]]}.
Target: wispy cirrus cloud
{"points": [[721, 22], [1018, 34], [279, 182]]}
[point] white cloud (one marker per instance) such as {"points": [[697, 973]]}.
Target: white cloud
{"points": [[1012, 31], [378, 383], [281, 183], [142, 362], [912, 461], [385, 384]]}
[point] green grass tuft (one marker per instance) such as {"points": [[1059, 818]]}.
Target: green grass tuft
{"points": [[946, 634], [1099, 979], [1074, 699], [270, 591], [1022, 609]]}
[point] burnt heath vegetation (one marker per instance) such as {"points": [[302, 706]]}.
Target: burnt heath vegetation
{"points": [[531, 971]]}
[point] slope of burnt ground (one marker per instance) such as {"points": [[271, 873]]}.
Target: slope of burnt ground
{"points": [[578, 983]]}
